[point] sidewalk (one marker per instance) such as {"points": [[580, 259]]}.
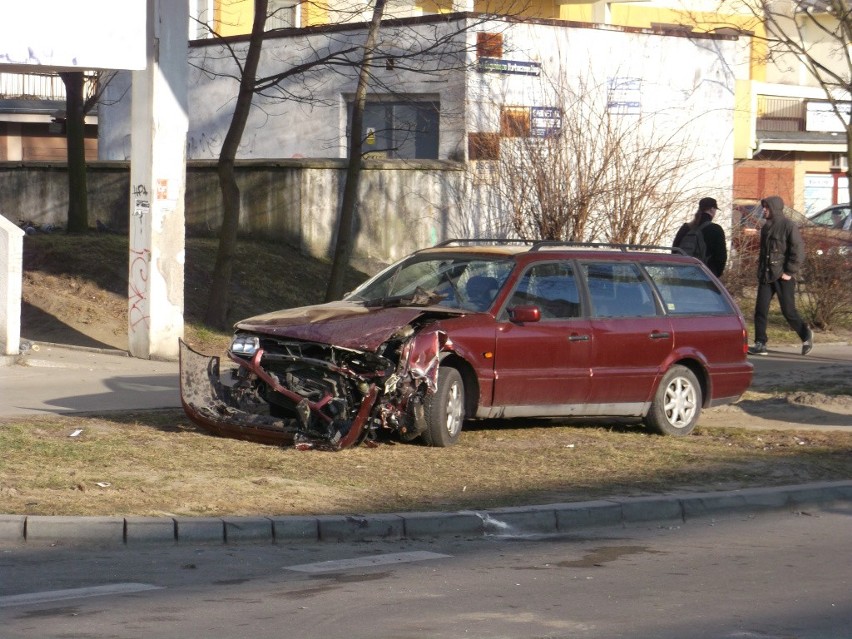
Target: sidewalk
{"points": [[60, 379]]}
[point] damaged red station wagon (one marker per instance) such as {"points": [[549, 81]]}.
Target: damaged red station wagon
{"points": [[479, 329]]}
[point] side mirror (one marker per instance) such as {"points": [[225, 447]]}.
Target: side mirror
{"points": [[524, 314]]}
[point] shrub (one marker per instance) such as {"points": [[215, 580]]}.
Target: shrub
{"points": [[825, 288]]}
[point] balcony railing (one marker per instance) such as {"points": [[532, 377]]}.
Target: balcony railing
{"points": [[38, 86], [780, 114]]}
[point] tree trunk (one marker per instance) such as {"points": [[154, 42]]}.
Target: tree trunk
{"points": [[345, 241], [75, 126], [218, 300]]}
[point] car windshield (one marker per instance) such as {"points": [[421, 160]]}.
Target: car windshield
{"points": [[464, 283]]}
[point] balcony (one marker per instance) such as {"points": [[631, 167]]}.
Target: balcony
{"points": [[39, 86], [780, 114]]}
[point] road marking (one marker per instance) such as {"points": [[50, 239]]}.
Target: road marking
{"points": [[31, 598], [366, 562]]}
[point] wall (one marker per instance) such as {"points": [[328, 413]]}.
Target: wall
{"points": [[278, 124], [403, 207]]}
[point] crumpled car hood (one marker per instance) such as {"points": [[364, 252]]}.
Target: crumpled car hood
{"points": [[346, 324]]}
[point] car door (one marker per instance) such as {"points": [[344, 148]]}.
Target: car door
{"points": [[632, 337], [543, 366]]}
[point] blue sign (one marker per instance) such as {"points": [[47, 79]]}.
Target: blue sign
{"points": [[516, 67]]}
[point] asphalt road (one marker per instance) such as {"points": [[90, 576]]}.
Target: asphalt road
{"points": [[774, 576]]}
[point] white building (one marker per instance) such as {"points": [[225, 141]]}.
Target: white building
{"points": [[459, 90]]}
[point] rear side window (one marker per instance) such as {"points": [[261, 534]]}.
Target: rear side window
{"points": [[617, 289], [551, 287], [687, 290]]}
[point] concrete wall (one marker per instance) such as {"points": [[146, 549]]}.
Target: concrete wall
{"points": [[403, 206]]}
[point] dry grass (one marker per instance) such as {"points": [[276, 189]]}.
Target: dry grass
{"points": [[158, 463]]}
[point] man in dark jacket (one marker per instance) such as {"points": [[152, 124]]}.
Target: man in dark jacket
{"points": [[716, 246], [782, 253]]}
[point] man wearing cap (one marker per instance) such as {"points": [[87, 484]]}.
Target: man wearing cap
{"points": [[716, 246]]}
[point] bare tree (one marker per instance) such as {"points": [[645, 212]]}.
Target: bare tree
{"points": [[799, 35], [343, 245], [816, 34], [80, 99], [409, 51], [591, 174], [217, 304]]}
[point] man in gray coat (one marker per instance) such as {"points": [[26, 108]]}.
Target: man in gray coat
{"points": [[782, 254]]}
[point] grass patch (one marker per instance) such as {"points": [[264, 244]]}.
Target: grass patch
{"points": [[160, 464]]}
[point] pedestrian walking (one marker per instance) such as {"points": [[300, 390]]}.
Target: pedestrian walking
{"points": [[702, 238], [782, 254]]}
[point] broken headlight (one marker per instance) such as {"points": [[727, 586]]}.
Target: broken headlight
{"points": [[245, 345]]}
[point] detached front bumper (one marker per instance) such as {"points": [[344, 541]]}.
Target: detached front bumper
{"points": [[214, 406]]}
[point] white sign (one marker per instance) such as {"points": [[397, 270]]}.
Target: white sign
{"points": [[624, 96], [820, 116], [83, 34]]}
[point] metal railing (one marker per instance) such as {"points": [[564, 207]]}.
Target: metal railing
{"points": [[780, 114], [38, 86]]}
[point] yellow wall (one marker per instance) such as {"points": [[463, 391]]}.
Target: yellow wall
{"points": [[743, 143], [630, 15], [546, 9], [234, 17]]}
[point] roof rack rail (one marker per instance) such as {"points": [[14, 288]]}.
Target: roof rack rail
{"points": [[483, 240], [544, 244], [538, 245]]}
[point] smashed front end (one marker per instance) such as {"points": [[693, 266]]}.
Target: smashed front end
{"points": [[331, 382]]}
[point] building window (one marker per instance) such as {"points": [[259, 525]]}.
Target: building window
{"points": [[515, 122], [281, 14], [489, 45], [400, 130], [201, 19], [483, 146]]}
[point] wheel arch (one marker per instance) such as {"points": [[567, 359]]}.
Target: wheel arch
{"points": [[702, 375], [469, 379]]}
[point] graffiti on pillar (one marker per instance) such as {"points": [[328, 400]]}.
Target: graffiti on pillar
{"points": [[140, 207], [138, 289]]}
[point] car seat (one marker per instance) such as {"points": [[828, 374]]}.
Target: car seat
{"points": [[481, 291]]}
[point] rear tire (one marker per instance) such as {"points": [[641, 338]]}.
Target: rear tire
{"points": [[444, 409], [677, 403]]}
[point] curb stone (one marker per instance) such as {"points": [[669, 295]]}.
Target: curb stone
{"points": [[674, 509]]}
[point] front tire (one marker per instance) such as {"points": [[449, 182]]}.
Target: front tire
{"points": [[677, 403], [444, 409]]}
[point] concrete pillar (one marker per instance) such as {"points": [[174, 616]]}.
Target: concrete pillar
{"points": [[11, 279], [157, 182]]}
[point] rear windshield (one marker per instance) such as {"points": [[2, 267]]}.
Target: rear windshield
{"points": [[687, 290]]}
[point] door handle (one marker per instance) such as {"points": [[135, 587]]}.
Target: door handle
{"points": [[578, 338], [659, 335]]}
